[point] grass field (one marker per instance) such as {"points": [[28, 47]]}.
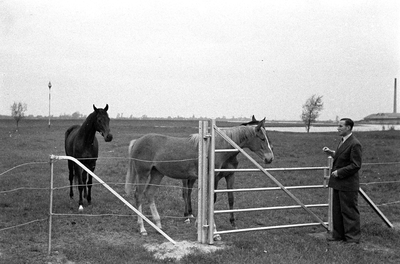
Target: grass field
{"points": [[113, 237]]}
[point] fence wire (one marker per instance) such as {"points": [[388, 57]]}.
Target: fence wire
{"points": [[118, 183]]}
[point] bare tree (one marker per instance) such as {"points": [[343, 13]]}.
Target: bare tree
{"points": [[18, 111], [311, 110]]}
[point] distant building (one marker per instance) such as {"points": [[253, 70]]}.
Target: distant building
{"points": [[383, 118], [386, 118]]}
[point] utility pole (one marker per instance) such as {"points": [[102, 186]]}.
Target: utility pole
{"points": [[395, 97], [49, 101]]}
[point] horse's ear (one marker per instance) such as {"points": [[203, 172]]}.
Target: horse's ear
{"points": [[253, 118], [260, 124], [106, 108], [94, 108]]}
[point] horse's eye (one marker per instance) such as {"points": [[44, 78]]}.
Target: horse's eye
{"points": [[262, 138]]}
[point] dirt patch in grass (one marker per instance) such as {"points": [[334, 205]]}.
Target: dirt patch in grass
{"points": [[396, 226], [167, 250]]}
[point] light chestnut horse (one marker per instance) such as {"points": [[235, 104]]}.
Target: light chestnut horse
{"points": [[154, 156]]}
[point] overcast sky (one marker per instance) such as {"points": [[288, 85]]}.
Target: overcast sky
{"points": [[202, 58]]}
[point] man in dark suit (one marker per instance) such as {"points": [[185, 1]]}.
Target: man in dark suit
{"points": [[345, 182]]}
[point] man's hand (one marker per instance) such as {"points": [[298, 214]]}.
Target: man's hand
{"points": [[334, 174], [328, 151]]}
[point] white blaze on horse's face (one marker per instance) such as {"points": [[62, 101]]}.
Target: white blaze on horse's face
{"points": [[263, 148]]}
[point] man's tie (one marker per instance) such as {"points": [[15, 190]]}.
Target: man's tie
{"points": [[341, 143]]}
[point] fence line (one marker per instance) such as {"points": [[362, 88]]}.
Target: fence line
{"points": [[141, 160], [23, 164], [171, 186], [27, 223], [158, 185], [93, 184]]}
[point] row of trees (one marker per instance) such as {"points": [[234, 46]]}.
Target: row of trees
{"points": [[310, 113]]}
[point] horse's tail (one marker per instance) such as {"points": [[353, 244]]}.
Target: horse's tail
{"points": [[69, 130], [131, 170], [67, 133]]}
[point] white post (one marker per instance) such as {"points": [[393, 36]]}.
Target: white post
{"points": [[202, 182], [211, 184], [200, 185], [51, 203], [330, 197]]}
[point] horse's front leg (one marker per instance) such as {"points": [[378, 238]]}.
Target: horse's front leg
{"points": [[89, 186], [78, 174], [230, 181], [71, 179]]}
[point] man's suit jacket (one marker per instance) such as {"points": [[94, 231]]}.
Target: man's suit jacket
{"points": [[347, 161]]}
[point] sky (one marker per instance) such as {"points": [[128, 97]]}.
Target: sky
{"points": [[200, 58]]}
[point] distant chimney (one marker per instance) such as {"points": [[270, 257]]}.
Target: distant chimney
{"points": [[395, 96]]}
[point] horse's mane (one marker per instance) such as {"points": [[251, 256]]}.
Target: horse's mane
{"points": [[237, 134]]}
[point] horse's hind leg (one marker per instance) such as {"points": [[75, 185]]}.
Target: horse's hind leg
{"points": [[155, 180], [230, 181], [232, 163], [139, 192], [187, 197], [142, 230]]}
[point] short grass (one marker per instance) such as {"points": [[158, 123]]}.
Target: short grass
{"points": [[113, 237]]}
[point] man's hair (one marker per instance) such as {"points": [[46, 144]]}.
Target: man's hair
{"points": [[348, 122]]}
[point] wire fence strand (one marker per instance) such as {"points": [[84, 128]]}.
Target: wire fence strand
{"points": [[24, 164], [24, 224], [119, 183]]}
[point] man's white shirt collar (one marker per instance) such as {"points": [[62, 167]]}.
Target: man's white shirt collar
{"points": [[346, 137]]}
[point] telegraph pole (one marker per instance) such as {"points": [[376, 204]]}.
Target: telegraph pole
{"points": [[49, 101]]}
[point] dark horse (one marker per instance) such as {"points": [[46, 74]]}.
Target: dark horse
{"points": [[154, 156], [81, 143]]}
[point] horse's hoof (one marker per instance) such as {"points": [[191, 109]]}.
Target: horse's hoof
{"points": [[80, 209], [144, 233], [217, 238]]}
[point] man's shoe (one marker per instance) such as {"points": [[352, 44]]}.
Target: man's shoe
{"points": [[352, 242], [333, 239]]}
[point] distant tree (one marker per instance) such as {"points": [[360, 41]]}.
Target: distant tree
{"points": [[76, 115], [311, 110], [18, 111]]}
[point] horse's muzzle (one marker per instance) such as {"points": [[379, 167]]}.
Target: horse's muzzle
{"points": [[108, 137], [268, 160]]}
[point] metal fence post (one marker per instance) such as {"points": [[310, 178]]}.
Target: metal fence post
{"points": [[202, 182], [330, 197], [211, 184], [51, 201]]}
